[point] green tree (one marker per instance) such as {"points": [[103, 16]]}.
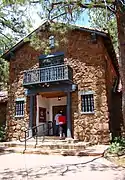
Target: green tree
{"points": [[6, 42], [3, 74], [14, 21], [106, 21], [14, 24]]}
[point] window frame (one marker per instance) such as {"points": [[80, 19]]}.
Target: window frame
{"points": [[85, 93], [21, 102], [52, 41]]}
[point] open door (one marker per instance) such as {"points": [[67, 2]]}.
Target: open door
{"points": [[56, 110]]}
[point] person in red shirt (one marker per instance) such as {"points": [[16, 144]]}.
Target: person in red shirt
{"points": [[62, 126]]}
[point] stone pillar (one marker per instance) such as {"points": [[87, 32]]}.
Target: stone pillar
{"points": [[31, 115], [69, 121]]}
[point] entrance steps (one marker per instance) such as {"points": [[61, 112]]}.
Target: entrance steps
{"points": [[55, 147]]}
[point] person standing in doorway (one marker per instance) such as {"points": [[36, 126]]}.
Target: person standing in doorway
{"points": [[57, 122], [62, 126]]}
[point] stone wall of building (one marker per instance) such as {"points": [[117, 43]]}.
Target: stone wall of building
{"points": [[89, 69], [89, 72], [114, 100], [25, 58]]}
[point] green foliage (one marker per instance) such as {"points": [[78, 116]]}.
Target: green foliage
{"points": [[11, 20], [68, 12], [64, 12], [5, 44], [13, 26], [2, 133], [106, 21], [14, 22], [117, 146], [57, 29], [3, 73]]}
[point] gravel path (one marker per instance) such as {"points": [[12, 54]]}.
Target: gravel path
{"points": [[37, 167]]}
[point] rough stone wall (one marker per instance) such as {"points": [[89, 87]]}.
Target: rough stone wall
{"points": [[89, 69], [25, 58], [114, 100]]}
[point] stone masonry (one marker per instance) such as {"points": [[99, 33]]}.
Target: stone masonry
{"points": [[91, 66]]}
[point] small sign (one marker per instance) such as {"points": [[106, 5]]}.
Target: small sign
{"points": [[51, 61], [42, 114]]}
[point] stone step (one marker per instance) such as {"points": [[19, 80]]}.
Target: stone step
{"points": [[40, 139], [39, 151], [45, 138], [48, 145], [90, 151], [49, 139]]}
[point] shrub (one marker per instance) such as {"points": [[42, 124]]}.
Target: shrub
{"points": [[2, 133], [117, 146]]}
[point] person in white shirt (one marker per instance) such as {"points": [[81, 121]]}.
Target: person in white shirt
{"points": [[57, 122]]}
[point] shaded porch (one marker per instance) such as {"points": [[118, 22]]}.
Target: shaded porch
{"points": [[46, 106]]}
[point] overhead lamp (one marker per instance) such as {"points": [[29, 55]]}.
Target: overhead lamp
{"points": [[59, 98]]}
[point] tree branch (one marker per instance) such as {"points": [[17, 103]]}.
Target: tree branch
{"points": [[122, 2], [58, 16], [6, 36], [111, 9], [94, 4], [34, 2]]}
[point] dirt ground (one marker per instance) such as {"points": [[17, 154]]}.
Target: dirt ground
{"points": [[15, 166]]}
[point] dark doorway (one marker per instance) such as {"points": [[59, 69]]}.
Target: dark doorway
{"points": [[116, 119], [55, 110]]}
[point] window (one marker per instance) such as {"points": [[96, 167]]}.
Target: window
{"points": [[19, 109], [87, 103], [52, 41]]}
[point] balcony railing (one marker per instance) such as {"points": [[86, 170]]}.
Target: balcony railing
{"points": [[47, 75]]}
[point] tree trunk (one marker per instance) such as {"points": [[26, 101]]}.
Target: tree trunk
{"points": [[120, 16]]}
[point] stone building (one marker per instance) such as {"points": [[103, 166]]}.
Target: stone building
{"points": [[79, 78]]}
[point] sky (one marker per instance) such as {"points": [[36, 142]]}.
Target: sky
{"points": [[37, 21], [83, 20]]}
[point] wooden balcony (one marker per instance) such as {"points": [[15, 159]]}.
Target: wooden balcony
{"points": [[47, 75]]}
